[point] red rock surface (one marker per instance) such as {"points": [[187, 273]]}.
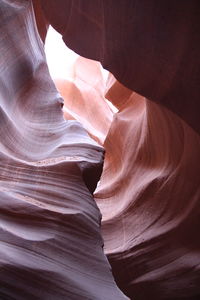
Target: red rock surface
{"points": [[50, 240], [152, 47], [149, 198], [148, 195], [149, 190]]}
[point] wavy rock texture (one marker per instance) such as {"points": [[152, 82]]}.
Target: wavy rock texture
{"points": [[84, 98], [50, 241], [152, 47], [148, 195], [149, 191]]}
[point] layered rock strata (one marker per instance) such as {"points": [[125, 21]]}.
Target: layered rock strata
{"points": [[50, 241]]}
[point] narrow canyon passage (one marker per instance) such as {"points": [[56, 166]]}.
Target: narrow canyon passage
{"points": [[99, 168]]}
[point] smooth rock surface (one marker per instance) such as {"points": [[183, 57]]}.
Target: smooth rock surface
{"points": [[149, 196], [152, 47], [50, 240]]}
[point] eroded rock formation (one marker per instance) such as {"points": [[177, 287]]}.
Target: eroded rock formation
{"points": [[148, 194], [50, 241]]}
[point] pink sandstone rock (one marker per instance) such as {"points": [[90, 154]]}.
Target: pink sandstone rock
{"points": [[50, 240], [149, 191]]}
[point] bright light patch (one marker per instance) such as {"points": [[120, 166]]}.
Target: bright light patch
{"points": [[60, 59]]}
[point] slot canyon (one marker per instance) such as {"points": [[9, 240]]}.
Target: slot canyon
{"points": [[100, 167]]}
